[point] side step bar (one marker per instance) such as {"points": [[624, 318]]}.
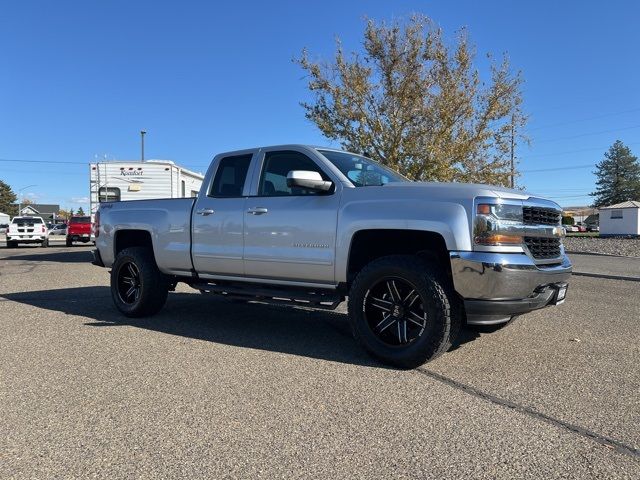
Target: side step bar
{"points": [[327, 300]]}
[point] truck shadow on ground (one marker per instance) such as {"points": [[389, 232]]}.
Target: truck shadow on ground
{"points": [[316, 334], [42, 255]]}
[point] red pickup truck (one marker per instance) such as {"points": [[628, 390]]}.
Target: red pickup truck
{"points": [[79, 230]]}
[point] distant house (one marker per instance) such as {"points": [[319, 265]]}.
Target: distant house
{"points": [[620, 219], [47, 212]]}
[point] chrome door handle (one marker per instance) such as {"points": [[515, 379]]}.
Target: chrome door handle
{"points": [[205, 211], [257, 211]]}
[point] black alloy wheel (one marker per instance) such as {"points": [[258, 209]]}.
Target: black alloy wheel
{"points": [[129, 285], [395, 311]]}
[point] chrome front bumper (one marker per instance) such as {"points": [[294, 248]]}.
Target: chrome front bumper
{"points": [[497, 286]]}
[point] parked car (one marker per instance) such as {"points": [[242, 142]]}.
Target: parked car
{"points": [[593, 227], [79, 230], [27, 230], [59, 229], [310, 226], [4, 227], [570, 228]]}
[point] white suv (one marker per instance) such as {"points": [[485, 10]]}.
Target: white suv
{"points": [[27, 230]]}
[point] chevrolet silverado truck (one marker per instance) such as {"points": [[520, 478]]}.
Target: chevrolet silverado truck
{"points": [[311, 226], [27, 230]]}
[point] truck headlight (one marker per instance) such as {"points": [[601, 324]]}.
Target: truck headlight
{"points": [[494, 223]]}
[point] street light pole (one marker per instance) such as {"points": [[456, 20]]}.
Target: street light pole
{"points": [[20, 202], [142, 134]]}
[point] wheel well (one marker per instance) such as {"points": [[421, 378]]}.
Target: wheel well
{"points": [[131, 238], [367, 245]]}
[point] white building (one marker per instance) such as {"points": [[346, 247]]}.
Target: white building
{"points": [[136, 180], [620, 219]]}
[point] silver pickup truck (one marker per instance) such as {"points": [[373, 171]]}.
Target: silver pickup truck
{"points": [[311, 226]]}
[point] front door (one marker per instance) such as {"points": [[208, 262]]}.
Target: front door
{"points": [[290, 232], [218, 220]]}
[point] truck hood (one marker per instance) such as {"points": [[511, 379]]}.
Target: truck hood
{"points": [[462, 191]]}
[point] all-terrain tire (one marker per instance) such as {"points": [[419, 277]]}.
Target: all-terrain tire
{"points": [[138, 288], [441, 322]]}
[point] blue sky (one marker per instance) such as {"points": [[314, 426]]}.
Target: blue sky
{"points": [[81, 79]]}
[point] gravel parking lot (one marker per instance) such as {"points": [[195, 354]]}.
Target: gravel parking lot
{"points": [[215, 389], [628, 247]]}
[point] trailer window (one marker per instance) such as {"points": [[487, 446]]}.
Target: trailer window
{"points": [[230, 177], [109, 194]]}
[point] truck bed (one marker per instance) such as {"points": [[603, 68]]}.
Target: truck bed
{"points": [[167, 221]]}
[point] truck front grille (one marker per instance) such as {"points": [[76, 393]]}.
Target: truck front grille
{"points": [[543, 248], [541, 216]]}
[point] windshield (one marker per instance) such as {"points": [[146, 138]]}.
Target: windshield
{"points": [[81, 220], [362, 171]]}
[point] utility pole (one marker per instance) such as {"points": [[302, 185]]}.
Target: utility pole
{"points": [[142, 134], [20, 201], [513, 167]]}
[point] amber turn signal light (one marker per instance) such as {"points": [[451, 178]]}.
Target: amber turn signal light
{"points": [[498, 239]]}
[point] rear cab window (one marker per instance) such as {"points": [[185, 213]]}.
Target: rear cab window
{"points": [[26, 220], [230, 176]]}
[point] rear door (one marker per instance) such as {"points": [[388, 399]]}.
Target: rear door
{"points": [[290, 232], [218, 218]]}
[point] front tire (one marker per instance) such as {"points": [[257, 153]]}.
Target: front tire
{"points": [[138, 288], [69, 242], [45, 243], [400, 311], [12, 244]]}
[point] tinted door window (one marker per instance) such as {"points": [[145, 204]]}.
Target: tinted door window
{"points": [[230, 176], [273, 181]]}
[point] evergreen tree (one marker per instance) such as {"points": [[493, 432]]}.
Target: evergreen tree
{"points": [[419, 105], [7, 200], [80, 211], [618, 177]]}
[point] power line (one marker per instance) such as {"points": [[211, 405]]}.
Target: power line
{"points": [[575, 167], [14, 160], [573, 151], [590, 134], [583, 119]]}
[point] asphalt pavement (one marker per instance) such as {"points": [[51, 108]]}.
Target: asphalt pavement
{"points": [[209, 388], [606, 265]]}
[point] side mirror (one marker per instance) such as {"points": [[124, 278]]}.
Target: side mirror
{"points": [[308, 179]]}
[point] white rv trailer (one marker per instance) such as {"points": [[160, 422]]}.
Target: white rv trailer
{"points": [[136, 180]]}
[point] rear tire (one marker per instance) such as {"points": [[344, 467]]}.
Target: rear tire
{"points": [[138, 288], [45, 243], [400, 311], [69, 242]]}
